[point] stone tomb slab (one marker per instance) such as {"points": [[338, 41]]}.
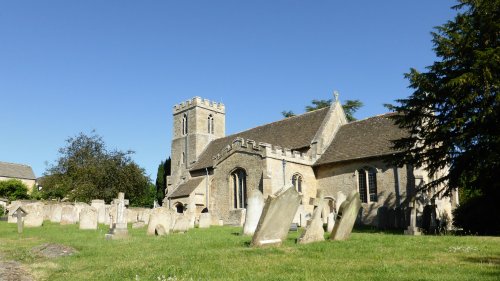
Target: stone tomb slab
{"points": [[346, 217], [277, 216]]}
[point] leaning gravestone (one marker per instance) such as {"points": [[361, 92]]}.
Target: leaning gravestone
{"points": [[346, 217], [254, 210], [99, 205], [160, 216], [68, 215], [88, 218], [276, 218], [35, 214], [205, 220], [314, 230]]}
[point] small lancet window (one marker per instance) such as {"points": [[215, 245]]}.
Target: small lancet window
{"points": [[210, 123], [367, 184], [297, 182], [239, 185], [184, 125]]}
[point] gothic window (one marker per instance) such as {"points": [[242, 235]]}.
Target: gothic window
{"points": [[297, 182], [184, 125], [239, 186], [367, 185], [210, 124]]}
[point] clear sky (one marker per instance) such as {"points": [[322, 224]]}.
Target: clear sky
{"points": [[119, 66]]}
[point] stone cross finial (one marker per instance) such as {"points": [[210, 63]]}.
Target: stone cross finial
{"points": [[336, 95]]}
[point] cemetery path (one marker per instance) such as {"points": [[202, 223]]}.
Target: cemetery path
{"points": [[13, 271]]}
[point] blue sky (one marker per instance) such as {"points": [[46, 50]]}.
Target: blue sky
{"points": [[119, 66]]}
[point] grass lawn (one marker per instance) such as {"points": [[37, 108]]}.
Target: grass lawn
{"points": [[220, 253]]}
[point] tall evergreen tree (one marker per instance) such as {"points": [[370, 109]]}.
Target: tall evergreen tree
{"points": [[453, 113], [164, 170]]}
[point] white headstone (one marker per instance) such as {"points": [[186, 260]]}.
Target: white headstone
{"points": [[254, 211], [88, 218]]}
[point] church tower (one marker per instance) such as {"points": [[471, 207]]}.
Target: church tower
{"points": [[197, 122]]}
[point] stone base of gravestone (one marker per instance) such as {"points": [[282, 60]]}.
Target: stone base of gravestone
{"points": [[205, 220], [119, 231], [314, 231], [254, 210], [346, 217], [277, 216], [139, 224], [413, 231], [160, 216], [88, 218]]}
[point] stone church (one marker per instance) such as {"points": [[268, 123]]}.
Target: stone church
{"points": [[212, 172]]}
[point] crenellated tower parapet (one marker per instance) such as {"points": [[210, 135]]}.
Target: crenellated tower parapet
{"points": [[199, 102]]}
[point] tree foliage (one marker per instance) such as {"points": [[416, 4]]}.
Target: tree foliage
{"points": [[87, 170], [350, 107], [453, 113], [164, 170], [13, 189]]}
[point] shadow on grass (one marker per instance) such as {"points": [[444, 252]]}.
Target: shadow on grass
{"points": [[484, 260], [373, 229]]}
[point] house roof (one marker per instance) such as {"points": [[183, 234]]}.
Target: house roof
{"points": [[371, 137], [293, 133], [186, 188], [17, 171]]}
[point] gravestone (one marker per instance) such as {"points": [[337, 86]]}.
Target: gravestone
{"points": [[314, 229], [19, 213], [160, 216], [55, 216], [254, 210], [119, 229], [330, 222], [35, 215], [68, 215], [79, 207], [205, 220], [339, 200], [160, 230], [346, 217], [88, 218], [108, 214], [99, 205], [182, 224], [277, 216], [132, 215], [412, 228], [139, 224]]}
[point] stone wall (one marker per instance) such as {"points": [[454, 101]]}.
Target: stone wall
{"points": [[393, 185]]}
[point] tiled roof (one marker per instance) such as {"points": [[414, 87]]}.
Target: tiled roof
{"points": [[293, 133], [366, 138], [17, 171], [186, 188]]}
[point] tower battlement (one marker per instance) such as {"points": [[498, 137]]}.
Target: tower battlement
{"points": [[201, 102]]}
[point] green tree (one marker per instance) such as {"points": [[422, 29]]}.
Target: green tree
{"points": [[87, 170], [13, 189], [350, 107], [164, 170], [453, 114]]}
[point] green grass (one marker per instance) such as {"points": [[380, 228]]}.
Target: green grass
{"points": [[220, 253]]}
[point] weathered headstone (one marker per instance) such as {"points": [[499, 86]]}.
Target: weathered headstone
{"points": [[88, 218], [254, 210], [19, 213], [119, 229], [69, 215], [11, 208], [182, 224], [101, 210], [339, 200], [160, 216], [35, 214], [412, 228], [205, 220], [56, 213], [330, 222], [346, 217], [132, 215], [276, 218], [314, 229]]}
